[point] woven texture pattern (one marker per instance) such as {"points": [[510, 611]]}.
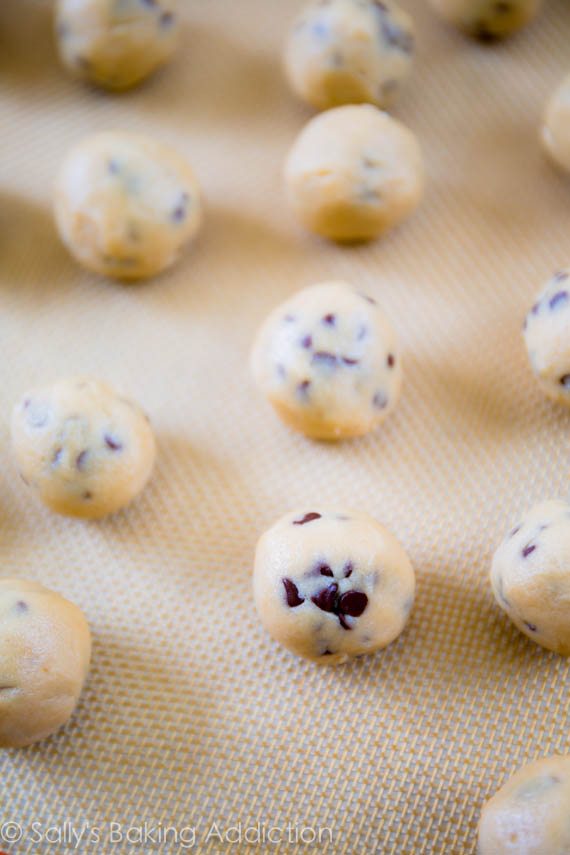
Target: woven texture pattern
{"points": [[192, 715]]}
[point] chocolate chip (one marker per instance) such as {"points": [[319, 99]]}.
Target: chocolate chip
{"points": [[530, 626], [349, 360], [327, 652], [390, 360], [312, 515], [326, 598], [558, 300], [515, 531], [528, 549], [80, 459], [565, 381], [325, 570], [303, 388], [353, 603], [292, 594], [87, 495], [348, 568], [113, 443], [330, 320], [307, 342], [324, 357]]}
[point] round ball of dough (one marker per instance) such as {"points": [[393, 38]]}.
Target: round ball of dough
{"points": [[529, 814], [349, 52], [45, 647], [547, 337], [115, 44], [353, 173], [530, 575], [125, 205], [328, 361], [487, 20], [332, 585], [85, 450], [556, 126]]}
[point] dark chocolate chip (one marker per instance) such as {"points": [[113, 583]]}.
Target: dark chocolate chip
{"points": [[326, 598], [558, 299], [303, 388], [353, 603], [330, 320], [80, 459], [529, 548], [312, 515], [348, 568], [325, 570], [113, 443], [349, 360], [292, 594], [327, 652], [390, 360], [531, 626]]}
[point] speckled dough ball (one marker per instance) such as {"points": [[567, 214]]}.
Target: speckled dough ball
{"points": [[556, 126], [529, 814], [547, 337], [126, 205], [487, 19], [531, 575], [85, 450], [332, 585], [349, 52], [45, 647], [353, 173], [115, 43], [328, 361]]}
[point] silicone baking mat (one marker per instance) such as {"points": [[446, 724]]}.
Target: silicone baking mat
{"points": [[193, 719]]}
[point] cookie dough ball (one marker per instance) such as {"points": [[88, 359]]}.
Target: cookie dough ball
{"points": [[556, 126], [487, 19], [529, 815], [353, 173], [328, 361], [530, 576], [45, 647], [547, 337], [349, 52], [332, 585], [115, 44], [85, 450], [125, 205]]}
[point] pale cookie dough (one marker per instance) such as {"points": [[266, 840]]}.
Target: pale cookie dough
{"points": [[530, 575], [556, 126], [115, 43], [328, 361], [530, 814], [45, 647], [349, 52], [547, 337], [487, 19], [331, 585], [85, 450], [125, 205], [353, 173]]}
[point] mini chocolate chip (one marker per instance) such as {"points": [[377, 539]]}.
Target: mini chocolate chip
{"points": [[113, 443], [482, 32], [380, 401], [565, 381], [330, 320], [558, 300], [326, 598], [530, 626], [292, 594], [80, 459], [325, 570], [348, 568], [324, 357], [303, 388], [560, 276], [307, 342], [353, 603], [327, 652], [528, 549], [312, 515], [390, 360], [515, 530], [87, 495], [349, 360]]}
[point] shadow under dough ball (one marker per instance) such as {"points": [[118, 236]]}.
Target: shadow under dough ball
{"points": [[546, 333], [487, 20], [350, 52], [555, 131], [530, 575], [332, 585], [45, 648], [328, 361], [529, 814], [353, 173], [86, 451], [126, 205], [115, 44]]}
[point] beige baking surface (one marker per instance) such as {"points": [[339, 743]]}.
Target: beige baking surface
{"points": [[192, 715]]}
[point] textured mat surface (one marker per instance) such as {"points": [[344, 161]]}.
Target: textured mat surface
{"points": [[192, 716]]}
